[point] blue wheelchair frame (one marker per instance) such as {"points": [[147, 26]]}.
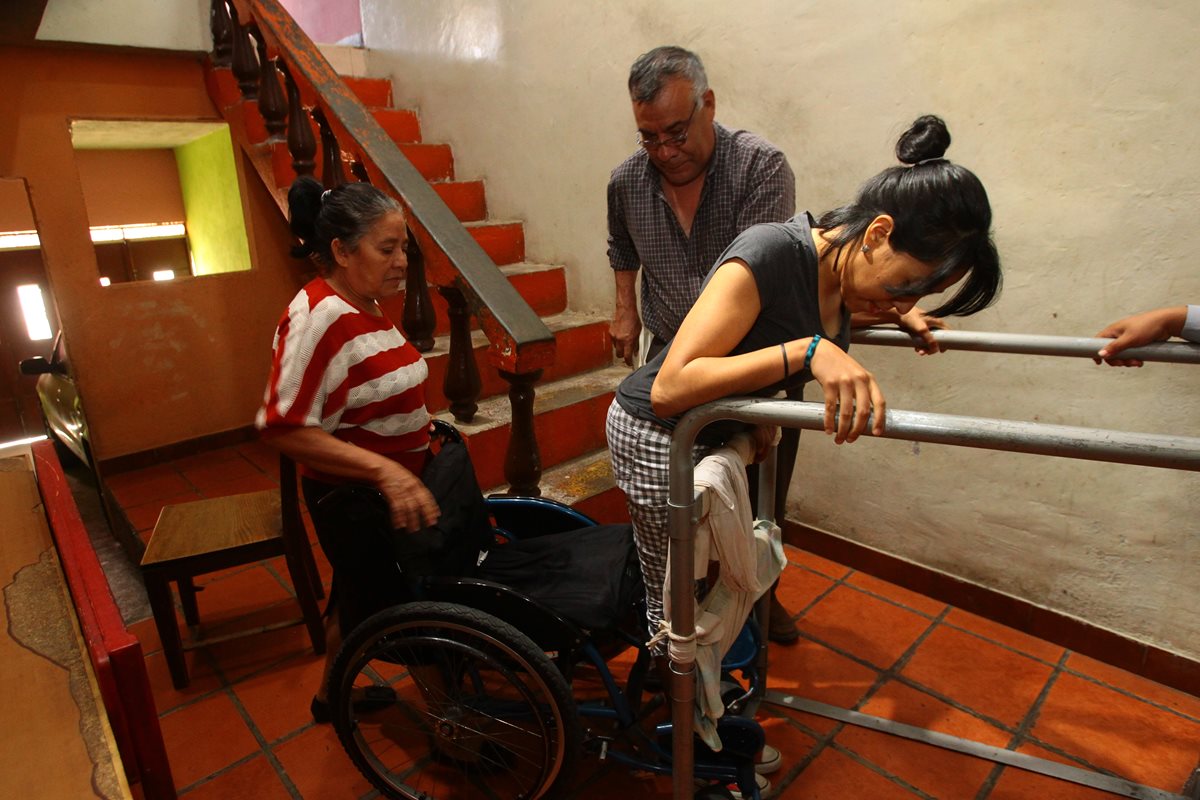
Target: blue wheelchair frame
{"points": [[567, 646]]}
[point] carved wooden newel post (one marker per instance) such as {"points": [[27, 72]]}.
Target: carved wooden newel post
{"points": [[271, 103], [218, 22], [418, 320], [301, 143], [462, 385], [523, 461], [245, 65], [332, 174]]}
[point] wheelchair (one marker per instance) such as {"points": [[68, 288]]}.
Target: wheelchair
{"points": [[466, 691]]}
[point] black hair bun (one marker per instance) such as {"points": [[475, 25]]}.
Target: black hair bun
{"points": [[926, 138], [304, 204]]}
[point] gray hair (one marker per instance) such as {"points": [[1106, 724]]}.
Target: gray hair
{"points": [[652, 70], [346, 213]]}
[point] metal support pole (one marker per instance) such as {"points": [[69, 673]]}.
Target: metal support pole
{"points": [[1145, 449], [1031, 344]]}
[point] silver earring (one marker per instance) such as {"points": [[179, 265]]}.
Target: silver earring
{"points": [[866, 249]]}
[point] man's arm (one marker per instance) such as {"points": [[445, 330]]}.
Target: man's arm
{"points": [[623, 258], [625, 327]]}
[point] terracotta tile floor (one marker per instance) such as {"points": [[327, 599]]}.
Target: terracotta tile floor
{"points": [[242, 728]]}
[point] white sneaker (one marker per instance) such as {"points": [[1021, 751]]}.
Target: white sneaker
{"points": [[769, 760]]}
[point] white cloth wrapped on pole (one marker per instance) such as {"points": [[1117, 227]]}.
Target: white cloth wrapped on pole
{"points": [[751, 558]]}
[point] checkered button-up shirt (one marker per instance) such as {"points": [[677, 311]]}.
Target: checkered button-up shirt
{"points": [[748, 181]]}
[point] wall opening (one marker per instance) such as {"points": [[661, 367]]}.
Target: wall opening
{"points": [[162, 198]]}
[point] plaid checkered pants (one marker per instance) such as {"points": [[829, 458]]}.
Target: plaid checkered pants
{"points": [[640, 452]]}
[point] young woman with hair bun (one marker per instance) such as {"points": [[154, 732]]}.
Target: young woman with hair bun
{"points": [[775, 311]]}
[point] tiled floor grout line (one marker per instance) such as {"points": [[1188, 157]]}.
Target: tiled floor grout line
{"points": [[1081, 762], [900, 678], [834, 583], [827, 740], [900, 663], [1001, 645], [230, 767], [1127, 693], [955, 704], [893, 601], [1022, 730], [878, 770], [265, 747], [821, 741]]}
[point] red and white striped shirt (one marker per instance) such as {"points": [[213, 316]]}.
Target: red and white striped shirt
{"points": [[350, 373]]}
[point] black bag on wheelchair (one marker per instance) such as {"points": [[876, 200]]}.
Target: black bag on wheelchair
{"points": [[590, 575], [452, 545]]}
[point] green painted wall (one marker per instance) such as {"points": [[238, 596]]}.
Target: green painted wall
{"points": [[215, 227]]}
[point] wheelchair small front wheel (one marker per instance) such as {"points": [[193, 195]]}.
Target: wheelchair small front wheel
{"points": [[438, 701]]}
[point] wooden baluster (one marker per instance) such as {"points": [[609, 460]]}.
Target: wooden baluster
{"points": [[523, 461], [301, 143], [359, 170], [245, 65], [218, 22], [271, 102], [332, 174], [462, 384], [419, 318]]}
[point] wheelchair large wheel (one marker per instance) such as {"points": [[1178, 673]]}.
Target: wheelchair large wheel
{"points": [[440, 701]]}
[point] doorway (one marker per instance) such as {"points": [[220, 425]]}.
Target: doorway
{"points": [[22, 286]]}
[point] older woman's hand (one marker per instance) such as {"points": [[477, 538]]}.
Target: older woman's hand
{"points": [[413, 507], [851, 393]]}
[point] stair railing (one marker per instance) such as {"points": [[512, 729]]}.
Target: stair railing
{"points": [[260, 44]]}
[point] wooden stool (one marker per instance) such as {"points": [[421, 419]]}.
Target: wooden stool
{"points": [[196, 538]]}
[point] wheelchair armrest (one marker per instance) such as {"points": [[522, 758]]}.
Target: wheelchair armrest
{"points": [[548, 629], [530, 517]]}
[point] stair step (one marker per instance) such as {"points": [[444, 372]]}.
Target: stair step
{"points": [[435, 162], [568, 421], [542, 286], [586, 484], [504, 242], [465, 198], [581, 344], [373, 92], [401, 124], [347, 60]]}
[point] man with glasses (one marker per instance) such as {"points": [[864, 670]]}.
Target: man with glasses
{"points": [[675, 205]]}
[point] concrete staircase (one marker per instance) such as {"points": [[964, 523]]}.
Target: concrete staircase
{"points": [[573, 395]]}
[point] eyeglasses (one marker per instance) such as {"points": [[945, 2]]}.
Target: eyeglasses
{"points": [[675, 140]]}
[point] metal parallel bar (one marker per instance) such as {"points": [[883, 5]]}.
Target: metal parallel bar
{"points": [[1031, 344], [1154, 450], [999, 755], [1093, 444]]}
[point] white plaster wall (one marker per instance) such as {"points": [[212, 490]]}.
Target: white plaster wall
{"points": [[1082, 121], [175, 25]]}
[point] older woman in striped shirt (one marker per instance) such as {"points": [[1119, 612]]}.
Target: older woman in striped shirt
{"points": [[346, 394]]}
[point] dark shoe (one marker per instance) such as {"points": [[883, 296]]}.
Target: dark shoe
{"points": [[365, 700], [781, 628]]}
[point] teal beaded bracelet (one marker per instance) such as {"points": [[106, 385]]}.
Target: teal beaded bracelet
{"points": [[812, 348]]}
